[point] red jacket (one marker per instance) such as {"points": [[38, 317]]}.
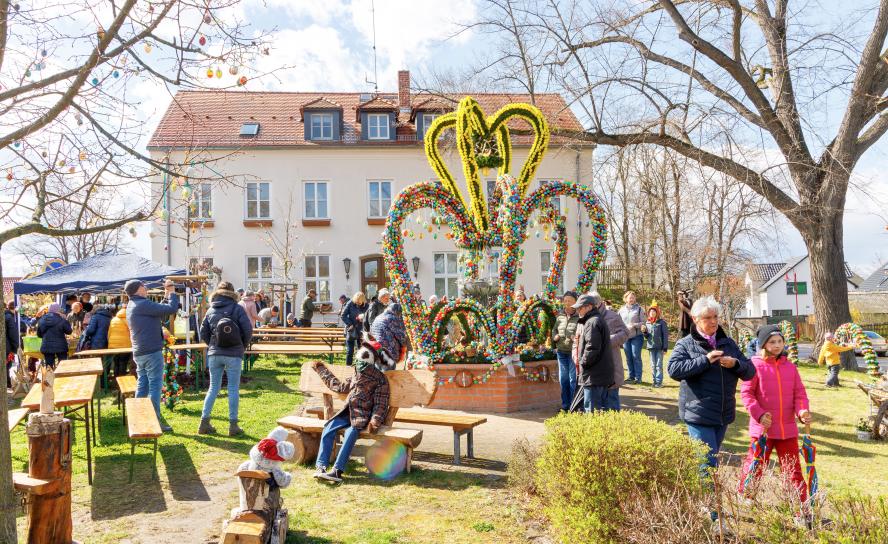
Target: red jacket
{"points": [[776, 388]]}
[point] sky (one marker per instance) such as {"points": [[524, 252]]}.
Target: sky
{"points": [[327, 46]]}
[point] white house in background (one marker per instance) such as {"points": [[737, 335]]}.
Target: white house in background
{"points": [[784, 289], [337, 161]]}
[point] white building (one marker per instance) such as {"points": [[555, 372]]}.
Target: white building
{"points": [[783, 289], [330, 165]]}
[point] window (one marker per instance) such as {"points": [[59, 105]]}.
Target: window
{"points": [[258, 200], [425, 121], [321, 126], [545, 265], [556, 200], [378, 126], [316, 200], [493, 263], [317, 276], [781, 313], [446, 272], [249, 129], [380, 198], [258, 272], [796, 288], [202, 202]]}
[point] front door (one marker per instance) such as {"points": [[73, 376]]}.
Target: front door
{"points": [[373, 276]]}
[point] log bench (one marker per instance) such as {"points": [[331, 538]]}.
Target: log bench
{"points": [[126, 388], [879, 397], [142, 424], [461, 425], [16, 416], [407, 388]]}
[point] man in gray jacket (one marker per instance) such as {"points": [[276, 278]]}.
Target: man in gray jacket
{"points": [[146, 332], [618, 336]]}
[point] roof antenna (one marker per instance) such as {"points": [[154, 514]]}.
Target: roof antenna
{"points": [[375, 74]]}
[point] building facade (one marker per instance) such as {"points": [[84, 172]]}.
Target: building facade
{"points": [[295, 187]]}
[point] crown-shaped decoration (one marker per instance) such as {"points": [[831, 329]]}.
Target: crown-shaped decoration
{"points": [[476, 224]]}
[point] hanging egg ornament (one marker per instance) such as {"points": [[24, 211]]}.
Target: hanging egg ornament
{"points": [[62, 163], [82, 155], [9, 176], [132, 231], [100, 33], [232, 70], [242, 81], [43, 52], [95, 82], [202, 40], [219, 73], [208, 19], [28, 72], [115, 74], [17, 145], [210, 73], [148, 48], [72, 170]]}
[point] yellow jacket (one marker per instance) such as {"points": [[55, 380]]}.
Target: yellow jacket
{"points": [[829, 353], [118, 331]]}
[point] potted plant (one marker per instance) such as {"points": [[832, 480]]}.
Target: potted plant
{"points": [[864, 431]]}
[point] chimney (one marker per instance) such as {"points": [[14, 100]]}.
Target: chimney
{"points": [[404, 90]]}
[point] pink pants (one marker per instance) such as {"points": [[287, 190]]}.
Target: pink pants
{"points": [[788, 457]]}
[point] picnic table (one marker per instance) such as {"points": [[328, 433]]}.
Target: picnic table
{"points": [[268, 348], [197, 353], [72, 394], [107, 356]]}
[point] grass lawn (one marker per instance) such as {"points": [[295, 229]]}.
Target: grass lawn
{"points": [[195, 490], [843, 462]]}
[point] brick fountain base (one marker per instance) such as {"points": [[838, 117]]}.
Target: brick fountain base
{"points": [[502, 393]]}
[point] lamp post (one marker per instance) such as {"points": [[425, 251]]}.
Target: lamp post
{"points": [[347, 264], [415, 267]]}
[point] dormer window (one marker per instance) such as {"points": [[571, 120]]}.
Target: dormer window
{"points": [[378, 126], [249, 129], [321, 126]]}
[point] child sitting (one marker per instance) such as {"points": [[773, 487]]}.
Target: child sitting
{"points": [[774, 398], [829, 355], [365, 407]]}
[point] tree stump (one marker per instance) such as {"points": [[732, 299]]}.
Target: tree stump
{"points": [[306, 446], [257, 519], [49, 458]]}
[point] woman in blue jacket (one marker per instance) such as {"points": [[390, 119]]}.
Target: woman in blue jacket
{"points": [[96, 334], [352, 317], [53, 328], [708, 364]]}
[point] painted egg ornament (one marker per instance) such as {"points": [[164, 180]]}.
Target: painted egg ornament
{"points": [[9, 176], [82, 155], [232, 70], [148, 48], [72, 170], [132, 231], [242, 81], [202, 40], [208, 19], [115, 74], [43, 52], [17, 145], [100, 33], [28, 72], [62, 163], [219, 73], [210, 73], [95, 82]]}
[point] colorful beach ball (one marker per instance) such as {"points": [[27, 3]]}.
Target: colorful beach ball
{"points": [[386, 459]]}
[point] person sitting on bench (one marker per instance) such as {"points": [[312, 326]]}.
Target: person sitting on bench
{"points": [[366, 406]]}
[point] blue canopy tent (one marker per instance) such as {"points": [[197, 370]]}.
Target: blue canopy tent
{"points": [[107, 271]]}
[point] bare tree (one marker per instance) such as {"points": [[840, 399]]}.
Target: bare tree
{"points": [[71, 127], [282, 242]]}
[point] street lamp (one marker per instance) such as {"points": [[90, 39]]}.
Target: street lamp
{"points": [[347, 264], [415, 267]]}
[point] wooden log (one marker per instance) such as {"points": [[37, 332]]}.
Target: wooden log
{"points": [[49, 458], [259, 506], [305, 446]]}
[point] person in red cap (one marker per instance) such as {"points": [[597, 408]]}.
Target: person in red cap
{"points": [[366, 407]]}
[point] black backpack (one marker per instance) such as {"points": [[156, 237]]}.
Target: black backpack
{"points": [[227, 333]]}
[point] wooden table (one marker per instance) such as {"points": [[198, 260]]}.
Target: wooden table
{"points": [[107, 356], [289, 349], [199, 362], [72, 393], [85, 367]]}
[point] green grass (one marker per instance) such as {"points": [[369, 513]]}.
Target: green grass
{"points": [[425, 506]]}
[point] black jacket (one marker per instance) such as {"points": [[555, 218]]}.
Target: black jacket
{"points": [[96, 333], [220, 307], [376, 309], [349, 316], [596, 358], [12, 332], [52, 328], [707, 392]]}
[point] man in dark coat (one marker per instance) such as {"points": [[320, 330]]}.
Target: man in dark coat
{"points": [[593, 353], [378, 305], [12, 334], [708, 364]]}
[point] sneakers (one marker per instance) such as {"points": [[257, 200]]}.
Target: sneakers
{"points": [[334, 475], [165, 427], [631, 381], [205, 427]]}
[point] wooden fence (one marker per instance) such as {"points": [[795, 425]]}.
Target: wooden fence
{"points": [[614, 277]]}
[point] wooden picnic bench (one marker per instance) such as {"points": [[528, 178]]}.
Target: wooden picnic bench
{"points": [[407, 388], [126, 388], [461, 425], [879, 398], [277, 348], [142, 424]]}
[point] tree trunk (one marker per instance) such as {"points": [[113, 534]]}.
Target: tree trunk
{"points": [[49, 447], [829, 285], [8, 503]]}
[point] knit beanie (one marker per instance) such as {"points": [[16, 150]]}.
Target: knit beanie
{"points": [[765, 332]]}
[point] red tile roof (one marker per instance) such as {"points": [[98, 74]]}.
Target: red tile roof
{"points": [[7, 287], [213, 118]]}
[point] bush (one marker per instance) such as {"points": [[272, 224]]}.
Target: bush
{"points": [[522, 466], [590, 466]]}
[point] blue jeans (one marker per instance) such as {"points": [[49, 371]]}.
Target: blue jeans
{"points": [[712, 436], [350, 344], [567, 376], [632, 348], [149, 370], [218, 364], [657, 365], [612, 401], [594, 397], [331, 428]]}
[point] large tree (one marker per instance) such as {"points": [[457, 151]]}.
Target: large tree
{"points": [[799, 94], [72, 123]]}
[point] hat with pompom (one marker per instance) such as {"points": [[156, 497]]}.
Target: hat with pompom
{"points": [[275, 447]]}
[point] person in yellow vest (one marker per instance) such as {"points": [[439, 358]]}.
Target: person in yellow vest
{"points": [[830, 355], [119, 337]]}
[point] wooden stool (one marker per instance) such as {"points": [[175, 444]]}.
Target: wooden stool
{"points": [[142, 424]]}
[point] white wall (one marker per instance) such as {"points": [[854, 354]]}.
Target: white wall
{"points": [[348, 169]]}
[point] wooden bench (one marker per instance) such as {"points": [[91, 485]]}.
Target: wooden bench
{"points": [[878, 395], [126, 388], [407, 388], [461, 425], [16, 416], [260, 518], [142, 424]]}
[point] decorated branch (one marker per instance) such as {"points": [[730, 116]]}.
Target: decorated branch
{"points": [[792, 344], [850, 334]]}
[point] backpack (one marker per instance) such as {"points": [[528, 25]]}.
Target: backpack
{"points": [[227, 333]]}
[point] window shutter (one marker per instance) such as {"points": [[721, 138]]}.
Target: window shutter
{"points": [[393, 127], [307, 126], [364, 125], [337, 124]]}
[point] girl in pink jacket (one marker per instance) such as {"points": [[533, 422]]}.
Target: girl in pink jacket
{"points": [[774, 398]]}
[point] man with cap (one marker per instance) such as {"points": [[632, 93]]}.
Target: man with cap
{"points": [[146, 332], [593, 353]]}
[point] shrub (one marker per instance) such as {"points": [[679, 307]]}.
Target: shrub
{"points": [[522, 466], [590, 466]]}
